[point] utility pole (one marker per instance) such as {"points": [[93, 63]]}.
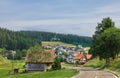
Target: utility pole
{"points": [[13, 54], [13, 51]]}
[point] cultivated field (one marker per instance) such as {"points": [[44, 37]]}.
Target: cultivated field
{"points": [[45, 43]]}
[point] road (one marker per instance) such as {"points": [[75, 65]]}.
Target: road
{"points": [[92, 73]]}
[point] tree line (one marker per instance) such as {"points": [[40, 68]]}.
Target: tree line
{"points": [[67, 38], [12, 40]]}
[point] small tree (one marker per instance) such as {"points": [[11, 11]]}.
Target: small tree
{"points": [[57, 64]]}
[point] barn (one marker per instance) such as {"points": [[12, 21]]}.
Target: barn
{"points": [[39, 60]]}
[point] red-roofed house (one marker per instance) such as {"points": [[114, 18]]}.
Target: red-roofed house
{"points": [[82, 58]]}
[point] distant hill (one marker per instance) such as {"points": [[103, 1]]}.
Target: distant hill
{"points": [[67, 38]]}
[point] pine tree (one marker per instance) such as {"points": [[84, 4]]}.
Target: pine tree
{"points": [[57, 64]]}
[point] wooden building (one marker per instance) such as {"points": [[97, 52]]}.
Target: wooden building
{"points": [[39, 60]]}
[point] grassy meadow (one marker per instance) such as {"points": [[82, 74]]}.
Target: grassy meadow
{"points": [[5, 70]]}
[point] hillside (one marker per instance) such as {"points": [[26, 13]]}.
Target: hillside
{"points": [[67, 38], [55, 43], [3, 60], [13, 40]]}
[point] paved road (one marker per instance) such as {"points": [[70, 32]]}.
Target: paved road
{"points": [[92, 73]]}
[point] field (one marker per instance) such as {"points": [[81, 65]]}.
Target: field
{"points": [[55, 43], [5, 70], [51, 74]]}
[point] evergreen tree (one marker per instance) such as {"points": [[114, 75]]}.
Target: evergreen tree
{"points": [[57, 64]]}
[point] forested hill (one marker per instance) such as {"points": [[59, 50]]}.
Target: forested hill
{"points": [[13, 40], [67, 38]]}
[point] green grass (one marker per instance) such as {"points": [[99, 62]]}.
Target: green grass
{"points": [[96, 63], [51, 74], [5, 68], [114, 66], [67, 65]]}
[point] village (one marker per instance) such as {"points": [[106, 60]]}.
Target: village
{"points": [[76, 55], [59, 39]]}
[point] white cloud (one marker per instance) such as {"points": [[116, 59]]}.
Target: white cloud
{"points": [[56, 16], [71, 26], [110, 8], [65, 22]]}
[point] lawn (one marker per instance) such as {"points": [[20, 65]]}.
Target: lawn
{"points": [[67, 65], [51, 74], [5, 68]]}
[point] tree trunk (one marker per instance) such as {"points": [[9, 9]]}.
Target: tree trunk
{"points": [[107, 61]]}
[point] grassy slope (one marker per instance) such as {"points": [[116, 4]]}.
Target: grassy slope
{"points": [[5, 68], [113, 67], [44, 43], [3, 60]]}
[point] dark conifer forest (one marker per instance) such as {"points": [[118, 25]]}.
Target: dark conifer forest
{"points": [[67, 38], [12, 40]]}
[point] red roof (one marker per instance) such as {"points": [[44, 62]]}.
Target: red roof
{"points": [[79, 56]]}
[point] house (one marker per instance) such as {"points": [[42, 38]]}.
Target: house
{"points": [[70, 58], [39, 61], [82, 58]]}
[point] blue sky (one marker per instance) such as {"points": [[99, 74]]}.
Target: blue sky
{"points": [[62, 16]]}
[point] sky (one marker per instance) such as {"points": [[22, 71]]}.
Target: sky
{"points": [[78, 17]]}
